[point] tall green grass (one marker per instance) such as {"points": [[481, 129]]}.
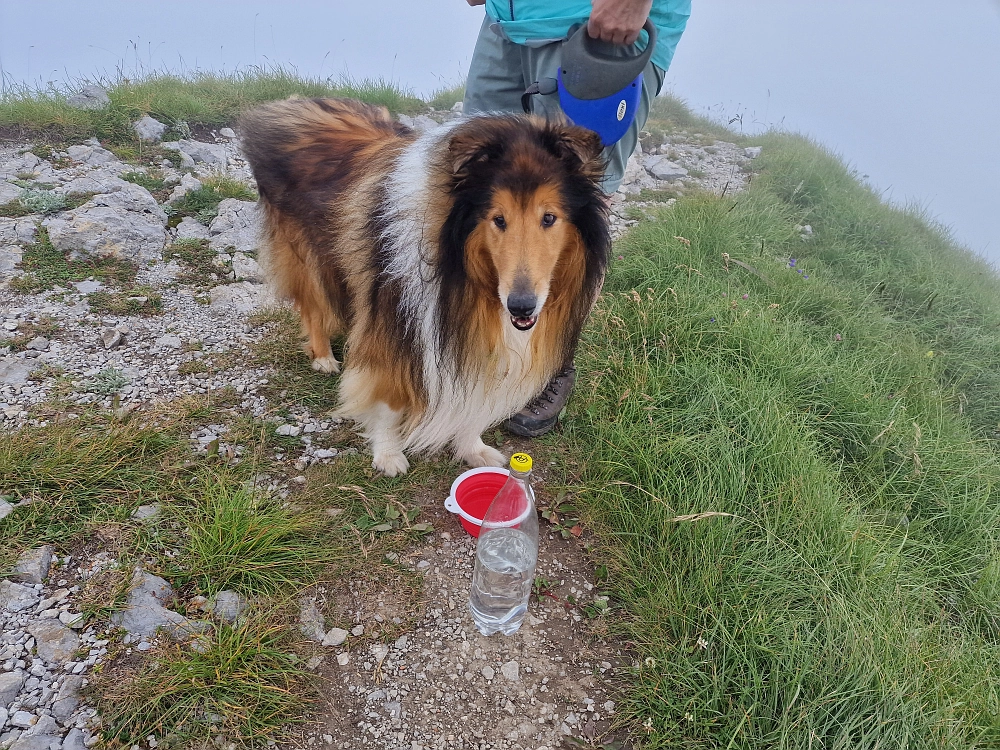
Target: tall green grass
{"points": [[206, 98], [792, 468]]}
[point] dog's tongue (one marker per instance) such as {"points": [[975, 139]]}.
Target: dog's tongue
{"points": [[523, 324]]}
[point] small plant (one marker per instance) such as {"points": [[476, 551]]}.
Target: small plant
{"points": [[107, 382], [150, 181], [139, 300], [198, 259], [203, 204]]}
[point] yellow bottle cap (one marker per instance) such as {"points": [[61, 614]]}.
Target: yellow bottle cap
{"points": [[520, 462]]}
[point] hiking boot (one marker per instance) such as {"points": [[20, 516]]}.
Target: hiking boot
{"points": [[542, 413]]}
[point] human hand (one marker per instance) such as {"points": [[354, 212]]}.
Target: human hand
{"points": [[617, 21], [476, 2]]}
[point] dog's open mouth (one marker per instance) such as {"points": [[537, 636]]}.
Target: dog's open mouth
{"points": [[523, 324]]}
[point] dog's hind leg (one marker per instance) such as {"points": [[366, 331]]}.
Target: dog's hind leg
{"points": [[318, 324]]}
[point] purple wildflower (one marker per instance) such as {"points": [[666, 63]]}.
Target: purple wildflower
{"points": [[711, 320], [746, 296]]}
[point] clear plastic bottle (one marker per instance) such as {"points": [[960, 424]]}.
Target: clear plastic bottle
{"points": [[506, 554]]}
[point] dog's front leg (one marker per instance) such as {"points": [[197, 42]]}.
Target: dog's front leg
{"points": [[382, 431], [472, 450]]}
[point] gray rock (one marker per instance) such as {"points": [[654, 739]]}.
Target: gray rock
{"points": [[111, 338], [44, 725], [212, 154], [227, 132], [90, 96], [126, 224], [146, 512], [95, 182], [423, 123], [37, 742], [68, 698], [187, 184], [17, 231], [335, 637], [5, 509], [88, 286], [16, 598], [192, 229], [145, 613], [54, 642], [245, 267], [38, 344], [510, 670], [458, 107], [661, 168], [752, 152], [74, 620], [14, 371], [343, 659], [169, 341], [8, 192], [10, 258], [311, 621], [33, 565], [237, 226], [75, 740], [227, 606], [488, 672], [10, 687], [405, 120], [95, 155], [149, 129], [242, 297]]}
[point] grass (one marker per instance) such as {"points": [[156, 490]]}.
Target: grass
{"points": [[446, 97], [245, 686], [238, 539], [203, 204], [211, 99], [136, 300], [790, 458], [44, 267], [197, 260], [77, 475]]}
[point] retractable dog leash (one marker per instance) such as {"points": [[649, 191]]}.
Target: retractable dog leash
{"points": [[596, 91]]}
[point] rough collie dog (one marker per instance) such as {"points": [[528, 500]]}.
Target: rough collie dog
{"points": [[461, 263]]}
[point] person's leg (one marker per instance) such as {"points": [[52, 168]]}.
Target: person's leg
{"points": [[495, 81], [542, 412]]}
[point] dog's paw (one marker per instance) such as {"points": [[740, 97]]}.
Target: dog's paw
{"points": [[482, 455], [390, 463], [329, 365]]}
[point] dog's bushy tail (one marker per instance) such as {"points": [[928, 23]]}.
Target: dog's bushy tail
{"points": [[305, 149]]}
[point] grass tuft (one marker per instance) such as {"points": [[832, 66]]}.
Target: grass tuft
{"points": [[45, 267], [239, 539], [203, 204], [244, 685]]}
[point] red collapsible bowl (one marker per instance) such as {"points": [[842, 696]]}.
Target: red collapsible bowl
{"points": [[472, 493]]}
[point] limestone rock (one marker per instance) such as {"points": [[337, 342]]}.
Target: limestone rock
{"points": [[54, 642], [752, 152], [243, 297], [149, 129], [5, 509], [245, 267], [227, 132], [227, 606], [145, 613], [10, 687], [90, 96], [33, 565], [335, 637], [8, 192], [237, 226], [95, 182], [15, 598], [68, 697], [311, 621], [187, 184], [75, 740], [111, 338], [93, 154], [661, 168], [127, 224], [211, 154], [14, 371], [192, 229], [17, 231]]}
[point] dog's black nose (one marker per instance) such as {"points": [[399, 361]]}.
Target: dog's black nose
{"points": [[521, 304]]}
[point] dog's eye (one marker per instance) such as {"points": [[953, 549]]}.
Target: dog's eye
{"points": [[500, 222], [548, 220]]}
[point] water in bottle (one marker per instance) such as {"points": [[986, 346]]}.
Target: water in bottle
{"points": [[506, 554]]}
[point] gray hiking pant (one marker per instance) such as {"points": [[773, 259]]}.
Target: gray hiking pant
{"points": [[501, 70]]}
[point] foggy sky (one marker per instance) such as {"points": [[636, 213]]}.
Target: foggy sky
{"points": [[907, 92]]}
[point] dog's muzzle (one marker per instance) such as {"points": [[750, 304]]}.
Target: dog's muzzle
{"points": [[521, 307]]}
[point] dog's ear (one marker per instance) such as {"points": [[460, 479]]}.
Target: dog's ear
{"points": [[472, 144], [580, 147]]}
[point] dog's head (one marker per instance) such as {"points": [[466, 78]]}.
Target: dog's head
{"points": [[526, 201]]}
